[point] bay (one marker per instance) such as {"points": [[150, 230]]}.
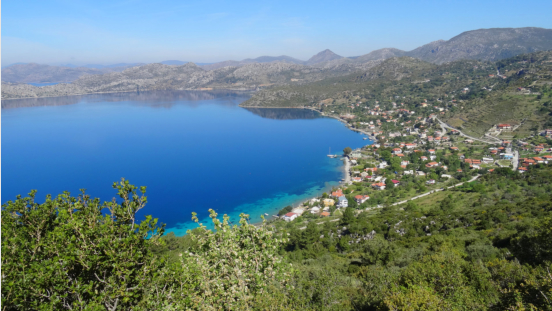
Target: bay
{"points": [[43, 83], [193, 150]]}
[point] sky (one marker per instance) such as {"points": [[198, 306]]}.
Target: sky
{"points": [[115, 31]]}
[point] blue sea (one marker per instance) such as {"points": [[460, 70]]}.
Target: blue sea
{"points": [[193, 150], [43, 83]]}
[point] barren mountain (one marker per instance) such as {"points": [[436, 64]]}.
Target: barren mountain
{"points": [[380, 54], [262, 59], [324, 56], [486, 44], [186, 77], [31, 72]]}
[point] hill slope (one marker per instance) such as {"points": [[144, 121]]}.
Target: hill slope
{"points": [[486, 44]]}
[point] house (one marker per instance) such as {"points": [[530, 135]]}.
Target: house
{"points": [[342, 202], [410, 146], [404, 163], [290, 216], [355, 154], [522, 169], [432, 157], [487, 160], [325, 214], [430, 182], [423, 158], [315, 200], [446, 176], [400, 155], [410, 172], [538, 159], [361, 198], [337, 193], [432, 164], [504, 126], [454, 148], [431, 151], [357, 179], [315, 210], [379, 186], [383, 164], [420, 173], [395, 182], [397, 150], [329, 202]]}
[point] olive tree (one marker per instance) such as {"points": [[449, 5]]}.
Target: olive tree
{"points": [[67, 254]]}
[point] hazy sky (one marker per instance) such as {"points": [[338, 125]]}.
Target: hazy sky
{"points": [[113, 31]]}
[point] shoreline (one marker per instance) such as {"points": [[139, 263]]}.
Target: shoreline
{"points": [[92, 93]]}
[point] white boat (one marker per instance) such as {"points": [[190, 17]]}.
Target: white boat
{"points": [[365, 138], [266, 214], [330, 154]]}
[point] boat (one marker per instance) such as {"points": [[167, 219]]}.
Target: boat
{"points": [[330, 155], [266, 214], [365, 138]]}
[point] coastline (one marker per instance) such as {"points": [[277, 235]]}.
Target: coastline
{"points": [[115, 92]]}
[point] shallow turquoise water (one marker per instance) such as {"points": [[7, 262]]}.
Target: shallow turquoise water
{"points": [[194, 151]]}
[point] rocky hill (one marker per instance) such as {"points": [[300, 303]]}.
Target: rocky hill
{"points": [[35, 73], [267, 71], [486, 44], [324, 56], [187, 77]]}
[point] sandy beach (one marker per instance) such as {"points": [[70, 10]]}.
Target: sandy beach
{"points": [[346, 168]]}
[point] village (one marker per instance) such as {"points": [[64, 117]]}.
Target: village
{"points": [[413, 155]]}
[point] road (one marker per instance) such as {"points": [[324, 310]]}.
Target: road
{"points": [[515, 160], [444, 126], [428, 193]]}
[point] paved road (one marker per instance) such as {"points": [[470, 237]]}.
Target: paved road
{"points": [[444, 126]]}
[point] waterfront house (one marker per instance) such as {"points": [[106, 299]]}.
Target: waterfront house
{"points": [[329, 202], [290, 216], [357, 179]]}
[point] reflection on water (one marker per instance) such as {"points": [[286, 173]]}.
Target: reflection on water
{"points": [[285, 113], [154, 99]]}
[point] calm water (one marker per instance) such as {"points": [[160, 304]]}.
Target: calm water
{"points": [[193, 150], [44, 83]]}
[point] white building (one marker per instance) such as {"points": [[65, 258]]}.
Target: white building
{"points": [[290, 216]]}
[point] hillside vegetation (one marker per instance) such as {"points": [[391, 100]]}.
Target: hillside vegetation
{"points": [[472, 95], [483, 246]]}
